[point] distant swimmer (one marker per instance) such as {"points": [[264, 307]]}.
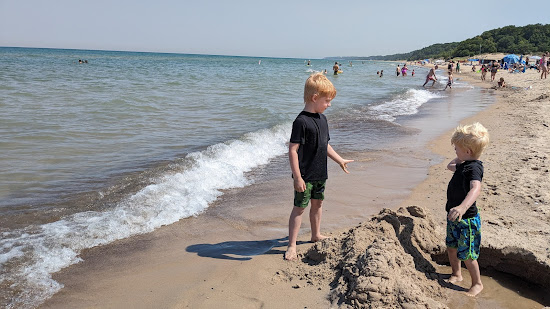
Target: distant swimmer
{"points": [[308, 63], [381, 73], [335, 68]]}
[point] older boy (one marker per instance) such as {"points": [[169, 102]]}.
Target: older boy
{"points": [[308, 150], [463, 221]]}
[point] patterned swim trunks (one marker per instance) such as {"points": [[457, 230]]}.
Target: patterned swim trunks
{"points": [[465, 236], [314, 190]]}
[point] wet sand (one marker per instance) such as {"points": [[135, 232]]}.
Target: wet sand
{"points": [[231, 256]]}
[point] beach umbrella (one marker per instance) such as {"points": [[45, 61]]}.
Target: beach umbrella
{"points": [[511, 59]]}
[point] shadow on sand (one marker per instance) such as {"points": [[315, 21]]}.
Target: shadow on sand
{"points": [[239, 250]]}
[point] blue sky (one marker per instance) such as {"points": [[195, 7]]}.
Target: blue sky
{"points": [[276, 28]]}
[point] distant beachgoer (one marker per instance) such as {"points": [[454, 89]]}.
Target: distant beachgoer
{"points": [[335, 68], [325, 72], [412, 73], [308, 151], [431, 76], [397, 70], [308, 62], [483, 71], [543, 66], [378, 73], [449, 81], [494, 68], [404, 70], [381, 73], [527, 60], [463, 221], [473, 68], [501, 82], [458, 67]]}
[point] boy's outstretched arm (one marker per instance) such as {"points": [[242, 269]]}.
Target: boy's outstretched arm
{"points": [[336, 157], [299, 183], [457, 212]]}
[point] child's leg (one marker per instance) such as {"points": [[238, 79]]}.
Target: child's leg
{"points": [[473, 269], [456, 276], [294, 223], [315, 214]]}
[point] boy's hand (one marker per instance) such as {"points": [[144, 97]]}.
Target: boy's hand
{"points": [[456, 213], [344, 165], [452, 165], [299, 184]]}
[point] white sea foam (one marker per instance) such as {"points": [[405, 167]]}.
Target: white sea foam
{"points": [[57, 245], [405, 104]]}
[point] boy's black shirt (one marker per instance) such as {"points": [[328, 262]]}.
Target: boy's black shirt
{"points": [[310, 130], [459, 185]]}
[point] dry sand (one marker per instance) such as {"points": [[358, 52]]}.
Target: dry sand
{"points": [[384, 262]]}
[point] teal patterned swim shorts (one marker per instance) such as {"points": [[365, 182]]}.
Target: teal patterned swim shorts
{"points": [[465, 236]]}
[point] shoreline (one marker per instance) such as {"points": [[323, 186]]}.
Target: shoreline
{"points": [[156, 269]]}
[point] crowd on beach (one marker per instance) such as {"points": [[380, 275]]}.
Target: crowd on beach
{"points": [[541, 64]]}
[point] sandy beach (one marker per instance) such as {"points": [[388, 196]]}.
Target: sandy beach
{"points": [[385, 258]]}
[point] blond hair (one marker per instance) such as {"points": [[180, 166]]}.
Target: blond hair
{"points": [[474, 137], [318, 83]]}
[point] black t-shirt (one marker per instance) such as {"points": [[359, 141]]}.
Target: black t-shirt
{"points": [[459, 186], [310, 130]]}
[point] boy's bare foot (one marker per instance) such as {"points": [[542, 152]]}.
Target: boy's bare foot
{"points": [[475, 289], [290, 254], [454, 279], [319, 238]]}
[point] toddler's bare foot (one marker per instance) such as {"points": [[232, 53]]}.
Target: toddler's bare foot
{"points": [[290, 254], [475, 289], [318, 238], [454, 279]]}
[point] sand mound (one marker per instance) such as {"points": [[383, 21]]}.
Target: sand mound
{"points": [[383, 263]]}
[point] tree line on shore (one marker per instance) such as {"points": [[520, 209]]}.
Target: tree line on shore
{"points": [[530, 39]]}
